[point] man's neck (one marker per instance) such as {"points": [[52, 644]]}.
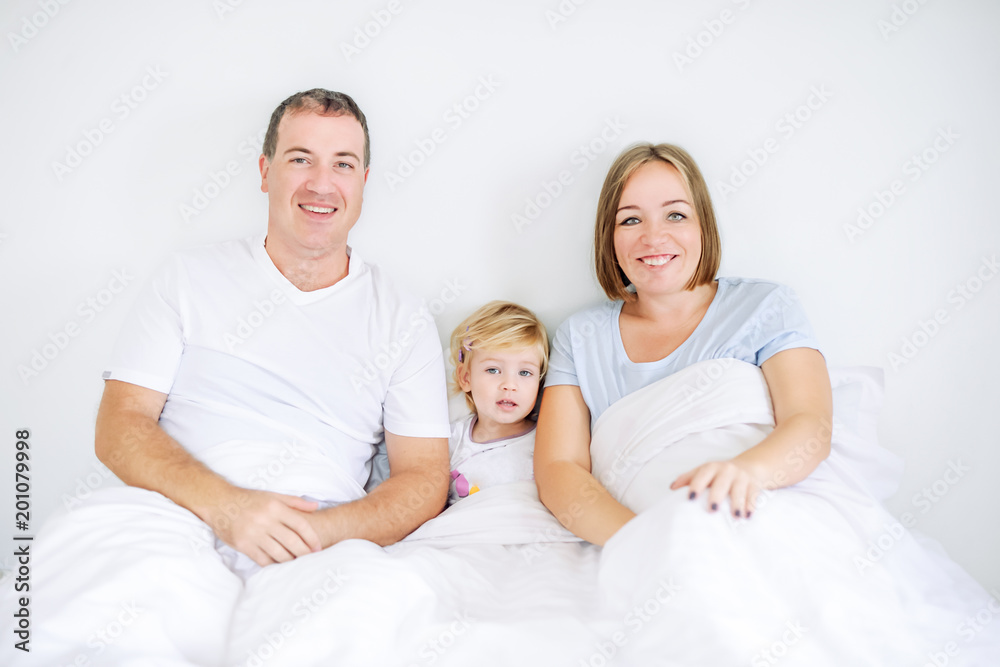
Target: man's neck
{"points": [[309, 270]]}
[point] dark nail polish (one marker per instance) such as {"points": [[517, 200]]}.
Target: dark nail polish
{"points": [[691, 496], [748, 514], [715, 506], [737, 513]]}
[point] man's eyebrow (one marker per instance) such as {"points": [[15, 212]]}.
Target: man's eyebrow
{"points": [[632, 207], [299, 149]]}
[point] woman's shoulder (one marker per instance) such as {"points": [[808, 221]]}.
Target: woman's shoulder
{"points": [[750, 284], [591, 316], [749, 291]]}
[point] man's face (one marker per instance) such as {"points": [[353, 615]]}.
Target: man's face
{"points": [[314, 182]]}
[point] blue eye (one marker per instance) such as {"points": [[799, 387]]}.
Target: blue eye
{"points": [[345, 165], [676, 216], [300, 160], [493, 371], [526, 374], [628, 222]]}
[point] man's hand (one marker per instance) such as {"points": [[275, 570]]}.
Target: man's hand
{"points": [[268, 527], [415, 491]]}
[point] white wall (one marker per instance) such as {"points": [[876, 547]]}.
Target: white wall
{"points": [[887, 92]]}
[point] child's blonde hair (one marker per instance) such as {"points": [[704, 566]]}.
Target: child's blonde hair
{"points": [[498, 325]]}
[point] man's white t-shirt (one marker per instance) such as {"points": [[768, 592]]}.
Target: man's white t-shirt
{"points": [[480, 465], [289, 380]]}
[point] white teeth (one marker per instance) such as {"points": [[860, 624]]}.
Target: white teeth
{"points": [[318, 209], [657, 261]]}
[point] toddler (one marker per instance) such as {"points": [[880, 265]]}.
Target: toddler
{"points": [[500, 354]]}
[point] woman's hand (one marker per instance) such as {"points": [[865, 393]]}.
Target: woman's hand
{"points": [[731, 478]]}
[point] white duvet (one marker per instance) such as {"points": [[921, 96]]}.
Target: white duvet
{"points": [[821, 575]]}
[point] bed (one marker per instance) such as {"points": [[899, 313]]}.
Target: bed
{"points": [[821, 575]]}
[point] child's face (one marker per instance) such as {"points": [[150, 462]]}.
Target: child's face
{"points": [[504, 383]]}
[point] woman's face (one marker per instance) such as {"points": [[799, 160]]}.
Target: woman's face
{"points": [[657, 234]]}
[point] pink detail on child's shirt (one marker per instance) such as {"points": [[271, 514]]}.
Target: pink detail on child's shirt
{"points": [[461, 484]]}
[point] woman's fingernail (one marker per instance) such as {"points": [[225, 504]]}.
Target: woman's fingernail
{"points": [[692, 495], [715, 506], [748, 514], [737, 513]]}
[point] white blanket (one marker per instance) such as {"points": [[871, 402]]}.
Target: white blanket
{"points": [[132, 579], [820, 575]]}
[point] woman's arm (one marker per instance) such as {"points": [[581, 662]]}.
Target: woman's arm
{"points": [[803, 408], [562, 468]]}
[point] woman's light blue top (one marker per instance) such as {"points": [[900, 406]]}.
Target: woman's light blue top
{"points": [[750, 320]]}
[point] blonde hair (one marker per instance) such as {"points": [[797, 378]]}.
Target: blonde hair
{"points": [[609, 274], [499, 325]]}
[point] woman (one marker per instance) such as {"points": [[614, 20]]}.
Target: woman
{"points": [[784, 583], [656, 233]]}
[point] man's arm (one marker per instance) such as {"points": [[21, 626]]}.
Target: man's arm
{"points": [[268, 527], [415, 491]]}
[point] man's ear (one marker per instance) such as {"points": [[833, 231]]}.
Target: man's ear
{"points": [[264, 164]]}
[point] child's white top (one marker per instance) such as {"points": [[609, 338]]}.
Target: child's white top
{"points": [[478, 465]]}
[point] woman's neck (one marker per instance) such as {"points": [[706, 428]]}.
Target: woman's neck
{"points": [[674, 307]]}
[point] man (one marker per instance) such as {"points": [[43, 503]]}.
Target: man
{"points": [[314, 168], [251, 385]]}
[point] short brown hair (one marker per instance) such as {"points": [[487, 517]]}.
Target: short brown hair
{"points": [[609, 274], [499, 325], [318, 100]]}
